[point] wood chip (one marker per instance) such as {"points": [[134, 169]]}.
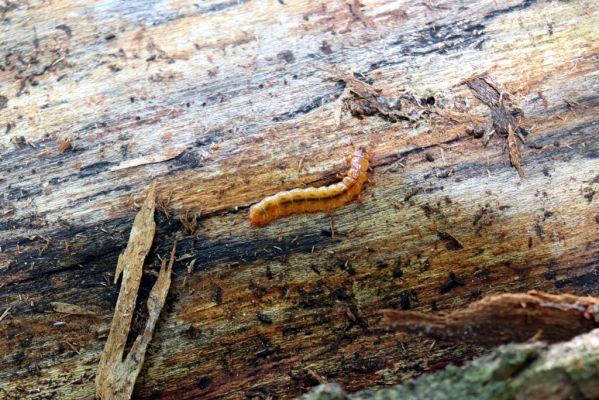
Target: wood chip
{"points": [[514, 152], [64, 144], [66, 308], [116, 374], [5, 313], [166, 155]]}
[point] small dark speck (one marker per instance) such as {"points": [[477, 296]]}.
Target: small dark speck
{"points": [[546, 172], [132, 99], [539, 231], [404, 298], [269, 274], [429, 157], [3, 102], [556, 144], [427, 101], [326, 232], [287, 56], [110, 37], [549, 275], [597, 218], [218, 295], [66, 29], [192, 332], [138, 118], [281, 2], [204, 382], [265, 319], [397, 273], [453, 283], [19, 357], [325, 47], [434, 306]]}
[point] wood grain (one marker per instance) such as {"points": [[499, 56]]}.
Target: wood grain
{"points": [[220, 103]]}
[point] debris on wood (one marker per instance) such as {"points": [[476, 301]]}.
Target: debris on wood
{"points": [[505, 115], [72, 309], [505, 318], [64, 144], [514, 151], [5, 313], [537, 371], [166, 155], [190, 223], [117, 374], [362, 99], [356, 11]]}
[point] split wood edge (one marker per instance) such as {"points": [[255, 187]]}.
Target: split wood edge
{"points": [[116, 374]]}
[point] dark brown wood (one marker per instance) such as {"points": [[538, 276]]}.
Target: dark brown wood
{"points": [[221, 104]]}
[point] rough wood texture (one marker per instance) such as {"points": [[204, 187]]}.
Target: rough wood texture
{"points": [[220, 104]]}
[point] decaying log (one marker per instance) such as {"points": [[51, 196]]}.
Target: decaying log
{"points": [[222, 103], [532, 371]]}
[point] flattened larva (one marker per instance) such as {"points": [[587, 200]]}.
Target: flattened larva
{"points": [[309, 200]]}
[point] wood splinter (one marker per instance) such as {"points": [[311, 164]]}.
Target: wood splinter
{"points": [[116, 374]]}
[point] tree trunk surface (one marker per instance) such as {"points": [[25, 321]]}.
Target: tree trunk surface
{"points": [[221, 103]]}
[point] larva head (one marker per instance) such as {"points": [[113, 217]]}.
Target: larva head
{"points": [[258, 215], [362, 153]]}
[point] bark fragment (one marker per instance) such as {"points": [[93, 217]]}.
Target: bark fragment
{"points": [[362, 99], [504, 114], [116, 375], [505, 318]]}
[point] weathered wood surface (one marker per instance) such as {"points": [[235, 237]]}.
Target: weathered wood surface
{"points": [[219, 104]]}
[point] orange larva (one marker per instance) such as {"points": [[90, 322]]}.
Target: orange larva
{"points": [[309, 200]]}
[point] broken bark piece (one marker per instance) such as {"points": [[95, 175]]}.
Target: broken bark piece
{"points": [[504, 115], [116, 375], [560, 371], [505, 318], [362, 99], [514, 152]]}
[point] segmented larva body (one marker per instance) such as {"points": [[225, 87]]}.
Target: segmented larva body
{"points": [[309, 200]]}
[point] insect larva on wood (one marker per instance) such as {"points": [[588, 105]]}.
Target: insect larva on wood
{"points": [[309, 200]]}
